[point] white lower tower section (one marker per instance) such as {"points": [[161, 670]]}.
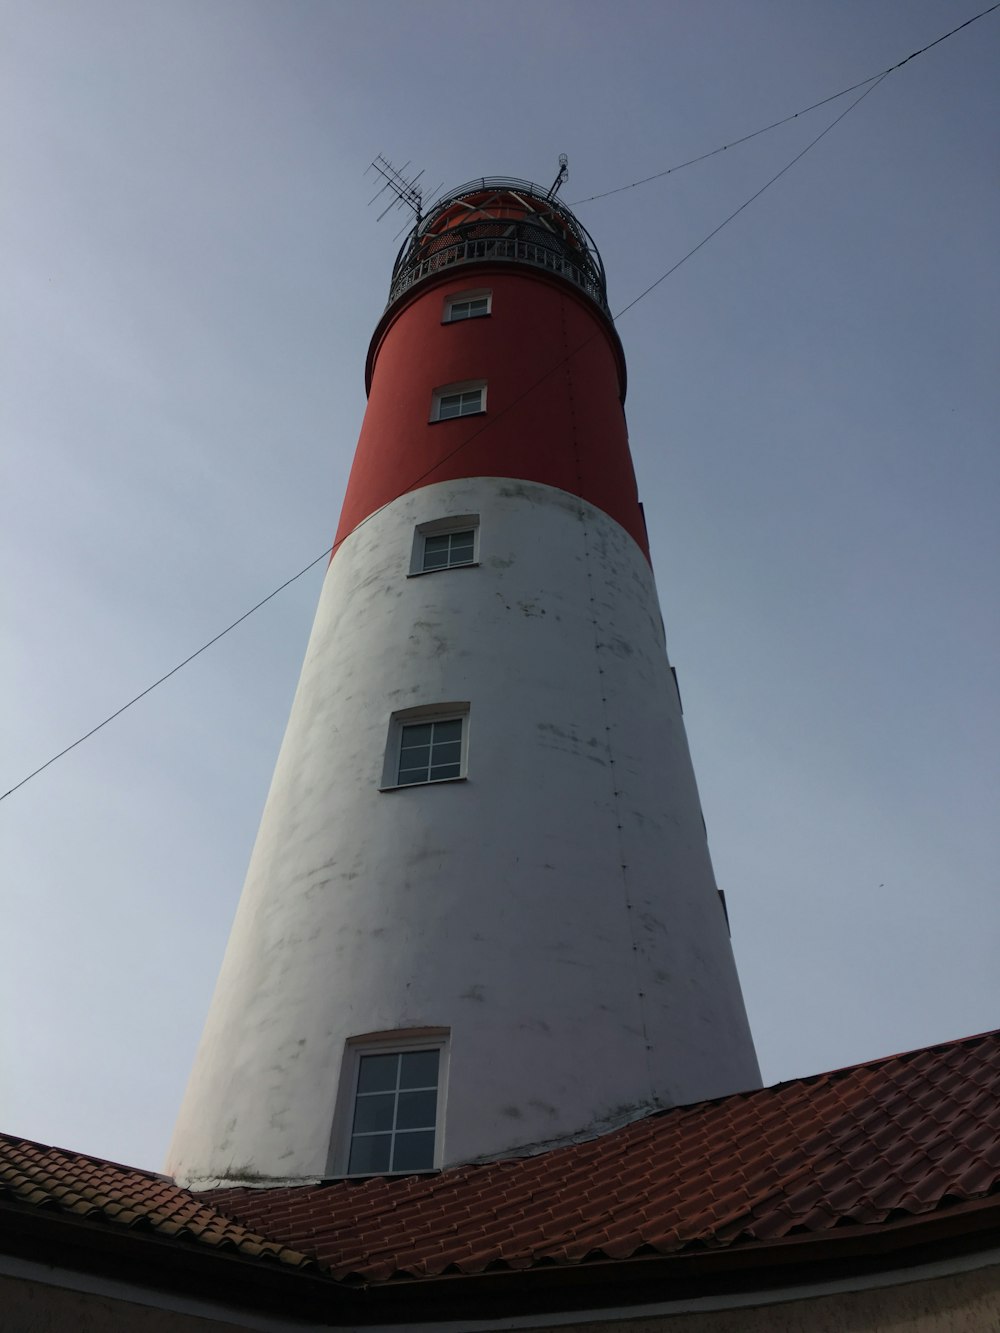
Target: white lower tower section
{"points": [[554, 912]]}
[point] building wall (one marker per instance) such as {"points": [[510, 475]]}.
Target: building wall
{"points": [[28, 1306], [957, 1303], [556, 911], [554, 372]]}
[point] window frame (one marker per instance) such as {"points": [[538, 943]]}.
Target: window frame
{"points": [[400, 1042], [466, 298], [441, 527], [444, 391], [443, 712]]}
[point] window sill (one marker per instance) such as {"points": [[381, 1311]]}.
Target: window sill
{"points": [[444, 569], [434, 782], [381, 1175], [466, 416]]}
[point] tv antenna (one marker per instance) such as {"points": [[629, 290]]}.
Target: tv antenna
{"points": [[561, 175], [404, 192]]}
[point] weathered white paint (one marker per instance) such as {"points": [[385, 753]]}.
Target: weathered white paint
{"points": [[556, 910]]}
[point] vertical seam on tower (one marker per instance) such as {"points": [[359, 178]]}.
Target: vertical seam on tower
{"points": [[606, 722]]}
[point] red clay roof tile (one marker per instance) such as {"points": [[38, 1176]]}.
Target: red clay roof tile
{"points": [[908, 1135], [125, 1198], [851, 1148]]}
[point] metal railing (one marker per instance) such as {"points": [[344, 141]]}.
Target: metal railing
{"points": [[561, 246], [551, 257]]}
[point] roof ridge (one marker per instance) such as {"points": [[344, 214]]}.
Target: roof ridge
{"points": [[911, 1052], [41, 1176], [16, 1140]]}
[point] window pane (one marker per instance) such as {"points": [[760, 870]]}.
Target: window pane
{"points": [[448, 753], [419, 1069], [435, 552], [373, 1112], [479, 306], [418, 733], [419, 756], [417, 1110], [371, 1154], [462, 547], [377, 1073], [408, 776], [414, 1152], [414, 746], [451, 730], [441, 772], [450, 406]]}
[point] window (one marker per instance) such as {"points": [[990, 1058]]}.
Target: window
{"points": [[458, 400], [446, 543], [467, 305], [430, 751], [426, 745], [396, 1095], [448, 549], [395, 1113]]}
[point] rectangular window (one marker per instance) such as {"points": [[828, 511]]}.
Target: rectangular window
{"points": [[395, 1114], [430, 751], [447, 549], [427, 744], [445, 543], [467, 305], [458, 400], [465, 404]]}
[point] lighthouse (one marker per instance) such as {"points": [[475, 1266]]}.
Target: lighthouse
{"points": [[480, 915]]}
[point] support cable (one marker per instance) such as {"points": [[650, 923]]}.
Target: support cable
{"points": [[785, 120], [166, 676]]}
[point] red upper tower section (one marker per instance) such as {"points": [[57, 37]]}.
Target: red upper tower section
{"points": [[543, 354]]}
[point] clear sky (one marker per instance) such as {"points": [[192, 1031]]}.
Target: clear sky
{"points": [[192, 277]]}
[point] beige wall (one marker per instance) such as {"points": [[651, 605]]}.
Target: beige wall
{"points": [[960, 1303], [30, 1307]]}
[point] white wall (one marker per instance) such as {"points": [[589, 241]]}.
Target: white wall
{"points": [[556, 911]]}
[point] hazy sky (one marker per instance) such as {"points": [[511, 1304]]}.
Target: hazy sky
{"points": [[192, 276]]}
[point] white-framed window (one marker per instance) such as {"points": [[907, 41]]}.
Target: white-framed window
{"points": [[467, 305], [445, 543], [427, 745], [430, 751], [394, 1103], [458, 400]]}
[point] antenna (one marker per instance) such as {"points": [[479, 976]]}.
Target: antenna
{"points": [[561, 175], [403, 191]]}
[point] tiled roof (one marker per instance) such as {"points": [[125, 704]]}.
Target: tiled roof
{"points": [[124, 1198], [910, 1136]]}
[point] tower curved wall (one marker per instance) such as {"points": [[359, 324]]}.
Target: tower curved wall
{"points": [[550, 916]]}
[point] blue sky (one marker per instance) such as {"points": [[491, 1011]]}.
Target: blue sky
{"points": [[193, 277]]}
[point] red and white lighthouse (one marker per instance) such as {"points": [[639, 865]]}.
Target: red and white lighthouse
{"points": [[480, 913]]}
